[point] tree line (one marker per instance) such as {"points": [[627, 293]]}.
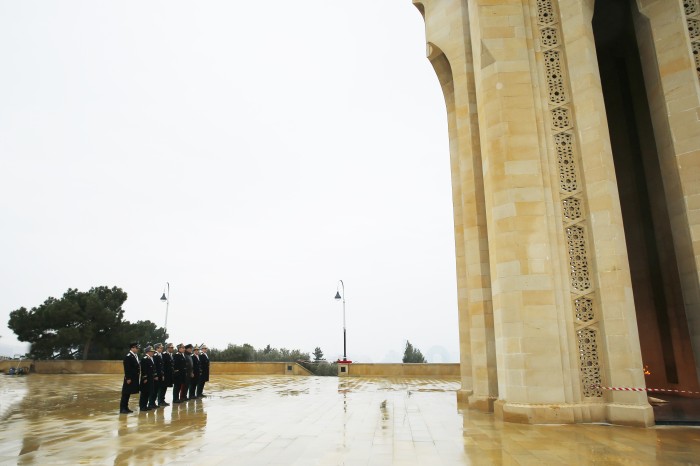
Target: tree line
{"points": [[90, 325], [247, 353], [81, 325]]}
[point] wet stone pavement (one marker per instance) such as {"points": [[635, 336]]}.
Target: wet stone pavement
{"points": [[278, 420]]}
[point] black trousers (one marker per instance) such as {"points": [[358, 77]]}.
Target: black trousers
{"points": [[153, 393], [126, 394], [147, 390], [200, 387], [161, 392], [193, 386], [183, 390]]}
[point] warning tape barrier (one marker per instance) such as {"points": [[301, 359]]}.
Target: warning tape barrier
{"points": [[635, 389]]}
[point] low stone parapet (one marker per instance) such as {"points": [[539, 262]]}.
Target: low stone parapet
{"points": [[358, 369], [116, 367], [243, 368]]}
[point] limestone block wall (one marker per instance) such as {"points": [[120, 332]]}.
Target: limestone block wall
{"points": [[258, 368], [445, 370], [452, 61], [554, 277], [116, 367]]}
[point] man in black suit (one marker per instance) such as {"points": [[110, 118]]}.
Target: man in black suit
{"points": [[158, 379], [131, 377], [148, 373], [196, 372], [167, 374], [204, 367], [179, 375]]}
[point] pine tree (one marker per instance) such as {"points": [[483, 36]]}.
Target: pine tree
{"points": [[412, 354]]}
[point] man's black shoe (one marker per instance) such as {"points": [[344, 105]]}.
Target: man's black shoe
{"points": [[124, 411], [164, 404], [145, 409], [128, 410]]}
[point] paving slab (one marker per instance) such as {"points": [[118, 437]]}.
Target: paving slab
{"points": [[288, 420]]}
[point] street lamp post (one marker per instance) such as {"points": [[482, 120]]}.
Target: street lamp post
{"points": [[166, 299], [339, 297]]}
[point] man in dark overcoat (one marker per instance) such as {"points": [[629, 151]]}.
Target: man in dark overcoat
{"points": [[188, 370], [158, 379], [204, 368], [167, 374], [179, 374], [196, 371], [131, 377], [148, 374]]}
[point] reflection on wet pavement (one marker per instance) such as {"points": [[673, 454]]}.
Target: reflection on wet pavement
{"points": [[278, 420]]}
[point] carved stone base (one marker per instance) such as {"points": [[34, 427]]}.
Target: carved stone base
{"points": [[572, 413], [481, 403], [463, 397]]}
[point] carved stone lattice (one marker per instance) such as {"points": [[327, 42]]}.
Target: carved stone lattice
{"points": [[568, 181], [555, 81], [549, 37], [691, 7], [545, 12], [578, 261], [560, 118], [588, 358], [696, 56], [693, 28], [584, 309], [571, 209]]}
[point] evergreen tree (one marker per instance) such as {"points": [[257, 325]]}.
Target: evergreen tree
{"points": [[318, 355], [81, 325], [412, 354]]}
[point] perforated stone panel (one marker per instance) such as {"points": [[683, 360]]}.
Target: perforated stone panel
{"points": [[572, 202], [571, 209], [555, 81], [568, 181], [560, 118], [578, 259], [590, 365], [545, 12], [584, 309], [693, 28], [692, 8], [549, 37]]}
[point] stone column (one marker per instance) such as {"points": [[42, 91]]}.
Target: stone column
{"points": [[531, 336], [670, 64], [450, 53], [618, 346]]}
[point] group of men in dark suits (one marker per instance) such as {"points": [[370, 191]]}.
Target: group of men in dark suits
{"points": [[186, 370]]}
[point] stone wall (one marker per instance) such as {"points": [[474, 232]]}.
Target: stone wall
{"points": [[115, 367], [404, 370], [243, 368]]}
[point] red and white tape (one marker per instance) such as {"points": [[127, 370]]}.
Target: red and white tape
{"points": [[635, 389]]}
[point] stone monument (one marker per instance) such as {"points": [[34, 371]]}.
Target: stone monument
{"points": [[574, 131]]}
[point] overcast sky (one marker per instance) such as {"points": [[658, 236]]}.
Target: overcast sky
{"points": [[249, 153]]}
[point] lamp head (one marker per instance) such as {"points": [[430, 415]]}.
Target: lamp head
{"points": [[337, 295], [163, 298]]}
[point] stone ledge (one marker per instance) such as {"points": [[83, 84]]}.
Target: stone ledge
{"points": [[573, 413]]}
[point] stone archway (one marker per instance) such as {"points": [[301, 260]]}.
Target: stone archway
{"points": [[547, 312]]}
